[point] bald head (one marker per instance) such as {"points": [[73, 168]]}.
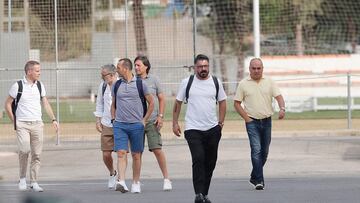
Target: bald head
{"points": [[256, 69]]}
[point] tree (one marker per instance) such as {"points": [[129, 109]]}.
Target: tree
{"points": [[227, 27], [139, 27], [304, 15]]}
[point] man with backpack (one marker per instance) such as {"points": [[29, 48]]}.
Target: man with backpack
{"points": [[202, 92], [103, 119], [23, 107], [129, 115]]}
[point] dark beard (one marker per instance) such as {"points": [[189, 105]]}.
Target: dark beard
{"points": [[203, 74]]}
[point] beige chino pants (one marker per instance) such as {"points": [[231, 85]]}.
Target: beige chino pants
{"points": [[30, 139]]}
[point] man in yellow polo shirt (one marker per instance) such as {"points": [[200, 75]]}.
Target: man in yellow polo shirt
{"points": [[255, 93]]}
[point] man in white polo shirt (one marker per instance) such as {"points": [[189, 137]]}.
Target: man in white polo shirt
{"points": [[28, 122]]}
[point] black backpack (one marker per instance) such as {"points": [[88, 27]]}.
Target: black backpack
{"points": [[15, 102], [216, 82], [140, 91]]}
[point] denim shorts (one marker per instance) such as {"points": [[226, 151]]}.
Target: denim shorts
{"points": [[129, 132]]}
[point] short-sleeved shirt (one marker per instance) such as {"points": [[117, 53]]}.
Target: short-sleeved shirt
{"points": [[154, 87], [29, 106], [201, 107], [257, 97], [129, 108]]}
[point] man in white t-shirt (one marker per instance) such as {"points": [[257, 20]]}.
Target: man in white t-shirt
{"points": [[28, 122], [202, 125]]}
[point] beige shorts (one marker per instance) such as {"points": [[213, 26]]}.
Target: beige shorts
{"points": [[107, 139]]}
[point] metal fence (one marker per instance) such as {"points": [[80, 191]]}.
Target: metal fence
{"points": [[72, 39]]}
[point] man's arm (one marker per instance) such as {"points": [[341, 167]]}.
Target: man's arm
{"points": [[50, 112], [222, 112], [160, 117], [176, 113], [281, 103], [113, 110], [8, 109], [150, 100], [241, 111]]}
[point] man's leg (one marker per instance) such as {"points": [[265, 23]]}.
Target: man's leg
{"points": [[136, 137], [121, 140], [107, 147], [122, 164], [266, 139], [255, 145], [194, 139], [108, 161], [213, 137], [155, 145], [23, 141], [160, 157], [36, 144], [136, 166]]}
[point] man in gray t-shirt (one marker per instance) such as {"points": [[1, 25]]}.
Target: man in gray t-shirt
{"points": [[128, 123], [153, 126]]}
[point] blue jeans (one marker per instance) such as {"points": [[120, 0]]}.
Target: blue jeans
{"points": [[259, 132]]}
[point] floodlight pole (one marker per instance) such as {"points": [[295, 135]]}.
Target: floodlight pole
{"points": [[126, 28], [256, 11], [349, 100], [9, 16], [194, 27], [57, 72]]}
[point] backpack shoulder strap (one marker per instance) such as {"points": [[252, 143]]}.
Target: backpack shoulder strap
{"points": [[140, 89], [216, 82], [38, 84], [20, 90], [116, 87], [191, 79], [103, 88]]}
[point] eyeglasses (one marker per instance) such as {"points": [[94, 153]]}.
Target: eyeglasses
{"points": [[103, 76], [202, 66]]}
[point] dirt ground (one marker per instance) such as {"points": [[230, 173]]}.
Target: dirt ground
{"points": [[232, 128]]}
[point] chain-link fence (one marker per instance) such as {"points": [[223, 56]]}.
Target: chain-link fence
{"points": [[72, 39]]}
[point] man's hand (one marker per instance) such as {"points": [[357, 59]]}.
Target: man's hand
{"points": [[159, 122], [281, 114], [56, 125], [176, 129], [99, 127]]}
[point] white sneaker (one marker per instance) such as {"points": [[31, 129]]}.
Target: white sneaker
{"points": [[121, 186], [135, 188], [22, 184], [112, 181], [35, 187], [167, 185]]}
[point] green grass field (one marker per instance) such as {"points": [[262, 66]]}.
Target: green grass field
{"points": [[74, 111]]}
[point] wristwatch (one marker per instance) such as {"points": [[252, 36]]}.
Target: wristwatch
{"points": [[161, 115], [282, 108]]}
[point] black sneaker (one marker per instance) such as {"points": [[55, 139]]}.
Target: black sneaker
{"points": [[199, 198], [252, 182], [259, 186], [206, 199]]}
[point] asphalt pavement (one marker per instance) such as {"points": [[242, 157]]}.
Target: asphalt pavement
{"points": [[299, 169]]}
